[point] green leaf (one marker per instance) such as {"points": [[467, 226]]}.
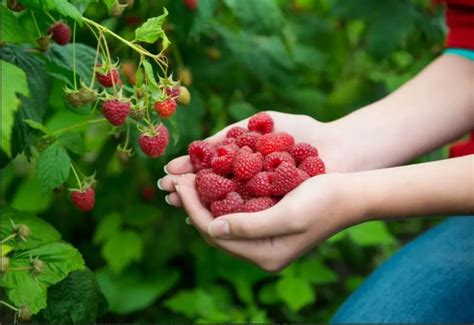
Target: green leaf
{"points": [[74, 142], [28, 197], [152, 30], [41, 232], [241, 110], [315, 272], [131, 292], [371, 233], [24, 288], [295, 292], [37, 126], [122, 249], [5, 249], [194, 303], [75, 300], [108, 227], [149, 73], [13, 83], [141, 214], [10, 32], [64, 8], [53, 167]]}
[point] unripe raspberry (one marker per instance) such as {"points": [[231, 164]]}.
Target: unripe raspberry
{"points": [[184, 97], [24, 314]]}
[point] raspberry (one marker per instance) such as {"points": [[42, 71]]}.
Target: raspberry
{"points": [[260, 184], [235, 132], [115, 111], [247, 165], [231, 204], [222, 164], [285, 179], [184, 97], [229, 149], [241, 188], [24, 313], [248, 139], [261, 123], [199, 175], [212, 187], [173, 91], [303, 175], [60, 33], [83, 200], [301, 151], [272, 142], [190, 4], [200, 154], [154, 143], [313, 166], [259, 204], [165, 108], [15, 5], [108, 79], [273, 160], [148, 193]]}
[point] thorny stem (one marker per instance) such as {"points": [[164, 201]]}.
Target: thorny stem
{"points": [[11, 236], [8, 305], [78, 125], [76, 176], [36, 23]]}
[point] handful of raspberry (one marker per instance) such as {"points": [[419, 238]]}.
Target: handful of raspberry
{"points": [[251, 169]]}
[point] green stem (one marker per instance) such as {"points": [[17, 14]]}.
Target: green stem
{"points": [[95, 64], [75, 126], [109, 58], [76, 176], [50, 16], [8, 305], [36, 24], [74, 55], [128, 136], [11, 236]]}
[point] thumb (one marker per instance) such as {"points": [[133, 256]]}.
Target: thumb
{"points": [[268, 223]]}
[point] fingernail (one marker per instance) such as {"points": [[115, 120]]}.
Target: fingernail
{"points": [[166, 170], [158, 184], [188, 222], [167, 199], [219, 228]]}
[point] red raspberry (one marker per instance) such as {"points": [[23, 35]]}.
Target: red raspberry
{"points": [[173, 91], [236, 132], [199, 175], [231, 204], [246, 165], [153, 144], [313, 166], [272, 142], [190, 4], [60, 33], [260, 184], [108, 79], [259, 204], [229, 149], [241, 188], [227, 141], [83, 200], [115, 111], [200, 154], [303, 175], [248, 139], [148, 193], [212, 187], [301, 151], [285, 179], [261, 123], [165, 108], [273, 160], [222, 164]]}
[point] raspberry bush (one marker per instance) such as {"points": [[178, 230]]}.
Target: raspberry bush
{"points": [[98, 95]]}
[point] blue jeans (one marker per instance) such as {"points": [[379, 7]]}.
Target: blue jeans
{"points": [[430, 280]]}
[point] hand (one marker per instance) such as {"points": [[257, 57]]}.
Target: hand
{"points": [[272, 238]]}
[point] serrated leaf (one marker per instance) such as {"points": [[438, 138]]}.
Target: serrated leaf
{"points": [[149, 73], [122, 249], [194, 303], [13, 83], [41, 231], [29, 198], [64, 8], [74, 142], [37, 126], [75, 300], [152, 30], [262, 16], [53, 167], [131, 291], [295, 292]]}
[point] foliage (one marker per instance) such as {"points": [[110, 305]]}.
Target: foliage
{"points": [[320, 58]]}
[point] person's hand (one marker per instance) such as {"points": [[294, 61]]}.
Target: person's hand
{"points": [[271, 239]]}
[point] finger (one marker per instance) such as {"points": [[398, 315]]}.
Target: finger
{"points": [[264, 224], [178, 166], [166, 183], [174, 200], [200, 216]]}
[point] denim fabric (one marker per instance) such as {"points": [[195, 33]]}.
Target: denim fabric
{"points": [[468, 54], [430, 280]]}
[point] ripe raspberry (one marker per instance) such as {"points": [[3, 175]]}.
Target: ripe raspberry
{"points": [[241, 188], [261, 123], [259, 204], [301, 151], [222, 164], [273, 160], [199, 175], [231, 204], [313, 166], [272, 142], [173, 91], [60, 33], [190, 4], [229, 149], [165, 108], [303, 175], [248, 139], [148, 193], [260, 184], [108, 79], [213, 187], [285, 179], [153, 144], [200, 154], [83, 200], [247, 165], [235, 132], [115, 111]]}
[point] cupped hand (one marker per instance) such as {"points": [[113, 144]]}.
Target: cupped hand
{"points": [[273, 238]]}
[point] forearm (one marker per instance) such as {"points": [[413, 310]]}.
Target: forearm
{"points": [[437, 188], [434, 108]]}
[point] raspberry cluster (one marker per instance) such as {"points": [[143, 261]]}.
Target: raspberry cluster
{"points": [[252, 168]]}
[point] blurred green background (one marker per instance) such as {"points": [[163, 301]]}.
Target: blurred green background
{"points": [[322, 58]]}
